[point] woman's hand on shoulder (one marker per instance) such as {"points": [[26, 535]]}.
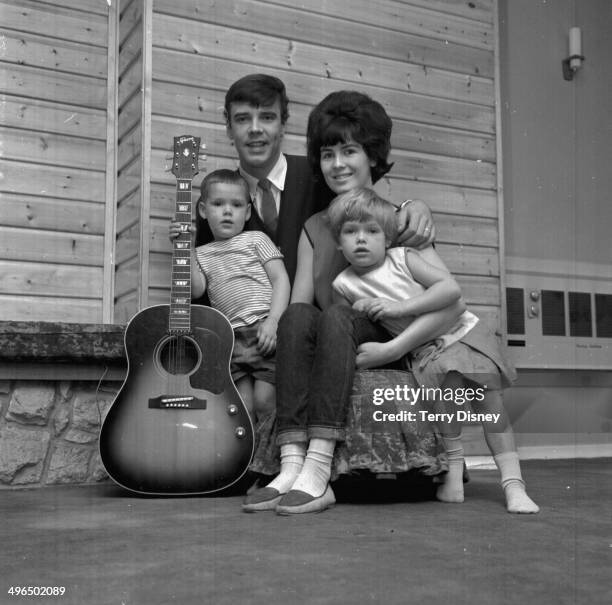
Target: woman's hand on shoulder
{"points": [[415, 224]]}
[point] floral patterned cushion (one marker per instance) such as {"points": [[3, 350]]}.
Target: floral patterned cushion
{"points": [[371, 445]]}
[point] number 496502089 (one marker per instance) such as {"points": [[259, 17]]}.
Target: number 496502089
{"points": [[37, 591]]}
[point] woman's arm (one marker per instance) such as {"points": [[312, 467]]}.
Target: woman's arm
{"points": [[303, 285]]}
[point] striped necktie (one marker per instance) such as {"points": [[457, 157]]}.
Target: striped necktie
{"points": [[269, 214]]}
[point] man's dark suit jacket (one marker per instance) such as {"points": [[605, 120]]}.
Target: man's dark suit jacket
{"points": [[301, 198]]}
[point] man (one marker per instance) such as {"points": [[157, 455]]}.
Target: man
{"points": [[282, 187]]}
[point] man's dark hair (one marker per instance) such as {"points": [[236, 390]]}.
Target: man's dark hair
{"points": [[258, 90], [345, 115]]}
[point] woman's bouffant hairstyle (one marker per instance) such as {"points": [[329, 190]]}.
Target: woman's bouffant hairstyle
{"points": [[362, 205], [348, 114]]}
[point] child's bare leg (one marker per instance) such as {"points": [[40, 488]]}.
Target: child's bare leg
{"points": [[500, 439], [291, 456], [264, 399], [244, 386], [452, 488], [263, 404]]}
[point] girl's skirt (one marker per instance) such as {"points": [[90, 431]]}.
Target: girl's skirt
{"points": [[477, 356]]}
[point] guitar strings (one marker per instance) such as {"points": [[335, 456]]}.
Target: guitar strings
{"points": [[178, 352], [178, 349]]}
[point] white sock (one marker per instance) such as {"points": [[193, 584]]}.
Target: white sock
{"points": [[517, 500], [292, 459], [315, 473], [452, 488]]}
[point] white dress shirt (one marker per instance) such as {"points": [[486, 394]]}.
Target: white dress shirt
{"points": [[276, 176]]}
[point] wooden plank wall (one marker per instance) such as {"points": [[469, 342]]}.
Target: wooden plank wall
{"points": [[133, 125], [430, 62], [53, 80]]}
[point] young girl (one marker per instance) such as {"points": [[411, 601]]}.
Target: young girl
{"points": [[348, 143], [393, 285]]}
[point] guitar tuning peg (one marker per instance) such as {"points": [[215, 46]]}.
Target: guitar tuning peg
{"points": [[202, 145], [202, 156]]}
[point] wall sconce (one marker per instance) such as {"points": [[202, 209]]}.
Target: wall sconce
{"points": [[575, 59]]}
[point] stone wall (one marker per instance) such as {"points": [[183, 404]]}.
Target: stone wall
{"points": [[57, 382], [49, 431]]}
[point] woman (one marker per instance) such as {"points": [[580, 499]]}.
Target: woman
{"points": [[319, 342]]}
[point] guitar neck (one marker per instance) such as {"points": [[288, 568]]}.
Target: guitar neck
{"points": [[180, 290]]}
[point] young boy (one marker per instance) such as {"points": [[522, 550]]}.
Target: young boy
{"points": [[245, 278]]}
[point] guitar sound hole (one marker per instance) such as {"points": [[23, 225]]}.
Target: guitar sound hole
{"points": [[179, 355]]}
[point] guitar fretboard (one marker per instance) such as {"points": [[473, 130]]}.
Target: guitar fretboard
{"points": [[180, 290]]}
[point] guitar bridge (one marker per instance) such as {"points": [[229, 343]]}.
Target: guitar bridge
{"points": [[182, 402]]}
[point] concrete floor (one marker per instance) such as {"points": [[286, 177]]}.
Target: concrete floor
{"points": [[109, 547]]}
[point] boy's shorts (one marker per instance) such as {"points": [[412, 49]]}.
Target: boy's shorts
{"points": [[247, 360]]}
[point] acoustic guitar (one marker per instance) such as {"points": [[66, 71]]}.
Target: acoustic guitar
{"points": [[178, 425]]}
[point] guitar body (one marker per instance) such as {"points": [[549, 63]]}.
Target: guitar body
{"points": [[178, 425]]}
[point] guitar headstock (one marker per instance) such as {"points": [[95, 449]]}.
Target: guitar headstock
{"points": [[186, 154]]}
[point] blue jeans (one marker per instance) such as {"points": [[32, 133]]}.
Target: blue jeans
{"points": [[315, 367]]}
